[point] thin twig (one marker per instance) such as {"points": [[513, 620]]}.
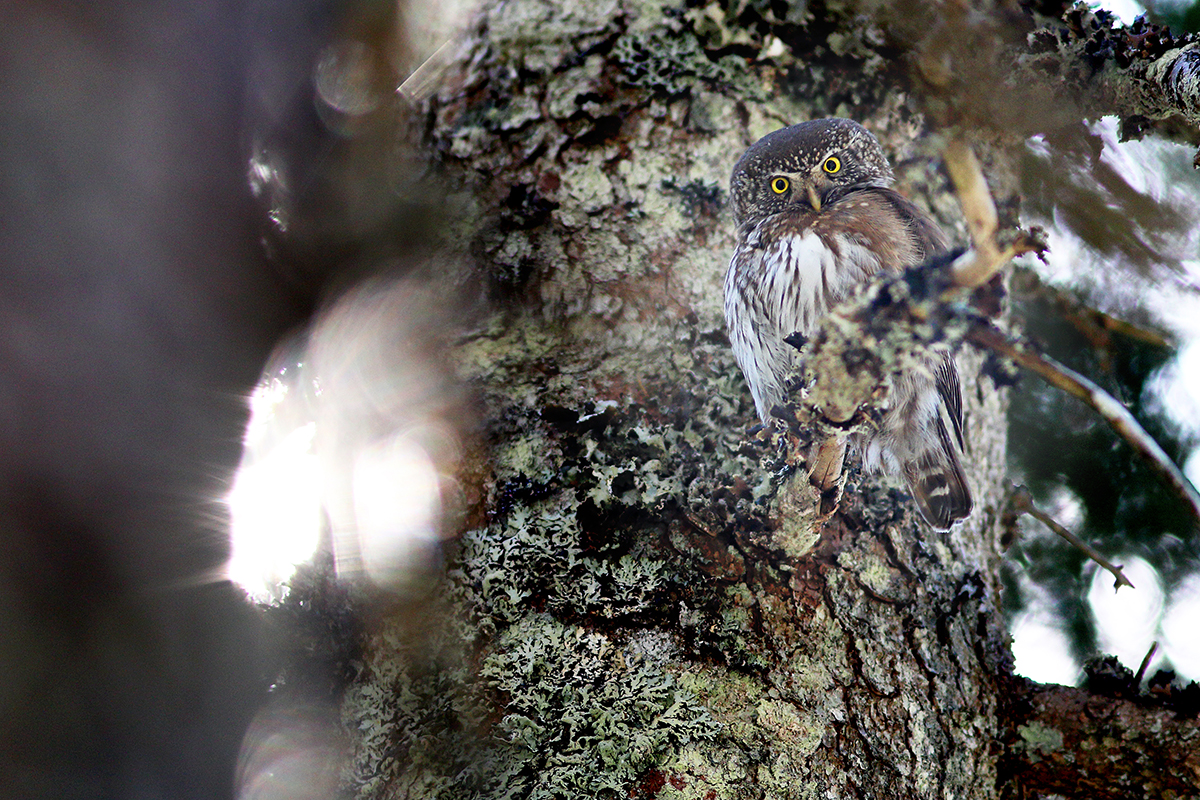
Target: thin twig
{"points": [[1022, 501], [1116, 415], [423, 82], [1141, 673]]}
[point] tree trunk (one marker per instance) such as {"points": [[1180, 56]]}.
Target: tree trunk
{"points": [[642, 603]]}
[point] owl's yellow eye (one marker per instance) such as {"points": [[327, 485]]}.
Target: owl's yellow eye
{"points": [[779, 185], [831, 166]]}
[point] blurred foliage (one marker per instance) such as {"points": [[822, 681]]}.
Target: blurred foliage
{"points": [[1063, 451], [1182, 16], [1065, 179]]}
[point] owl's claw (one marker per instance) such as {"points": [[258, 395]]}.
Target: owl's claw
{"points": [[796, 340], [825, 461]]}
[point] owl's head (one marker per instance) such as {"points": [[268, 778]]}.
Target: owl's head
{"points": [[806, 166]]}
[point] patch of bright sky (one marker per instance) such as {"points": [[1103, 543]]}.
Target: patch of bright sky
{"points": [[1127, 620], [1176, 386], [1126, 10], [1179, 640], [1041, 647]]}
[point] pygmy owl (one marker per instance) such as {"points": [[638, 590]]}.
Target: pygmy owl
{"points": [[816, 220]]}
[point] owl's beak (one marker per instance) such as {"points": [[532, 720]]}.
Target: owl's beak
{"points": [[814, 199]]}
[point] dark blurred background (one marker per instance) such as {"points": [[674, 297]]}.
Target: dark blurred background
{"points": [[143, 284]]}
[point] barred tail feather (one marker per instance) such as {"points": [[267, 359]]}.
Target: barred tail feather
{"points": [[937, 483]]}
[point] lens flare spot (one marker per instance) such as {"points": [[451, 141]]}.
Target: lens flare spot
{"points": [[275, 515], [343, 78], [292, 752], [397, 507]]}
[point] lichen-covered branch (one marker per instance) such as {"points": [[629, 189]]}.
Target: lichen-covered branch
{"points": [[1076, 742], [993, 68], [1156, 84], [1140, 73]]}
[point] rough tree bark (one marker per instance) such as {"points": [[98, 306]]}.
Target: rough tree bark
{"points": [[641, 603]]}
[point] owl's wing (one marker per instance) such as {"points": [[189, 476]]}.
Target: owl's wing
{"points": [[937, 482], [930, 239]]}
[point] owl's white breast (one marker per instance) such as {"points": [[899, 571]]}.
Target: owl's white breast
{"points": [[784, 281]]}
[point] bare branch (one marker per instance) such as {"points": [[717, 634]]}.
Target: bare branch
{"points": [[1023, 502], [978, 210], [1116, 415], [1126, 329], [1091, 322], [986, 256]]}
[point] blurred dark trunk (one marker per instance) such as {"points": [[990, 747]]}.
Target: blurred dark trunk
{"points": [[137, 310]]}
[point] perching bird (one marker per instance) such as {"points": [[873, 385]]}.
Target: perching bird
{"points": [[815, 222]]}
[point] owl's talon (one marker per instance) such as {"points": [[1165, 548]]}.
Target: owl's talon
{"points": [[796, 340]]}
